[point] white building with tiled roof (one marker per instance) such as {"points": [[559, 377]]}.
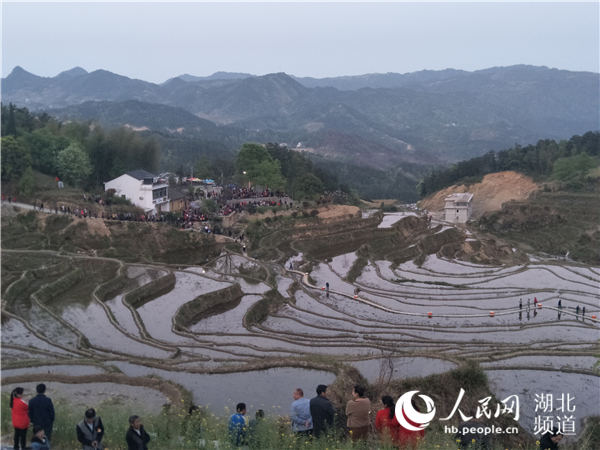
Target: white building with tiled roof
{"points": [[458, 207], [141, 188]]}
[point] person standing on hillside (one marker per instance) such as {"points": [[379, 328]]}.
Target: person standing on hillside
{"points": [[321, 411], [386, 423], [20, 417], [90, 431], [41, 411], [238, 426], [358, 410], [300, 414], [136, 437]]}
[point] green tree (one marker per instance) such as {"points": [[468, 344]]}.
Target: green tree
{"points": [[11, 125], [27, 182], [267, 174], [573, 169], [73, 165], [210, 205], [259, 166], [15, 158], [308, 186], [203, 168], [44, 147]]}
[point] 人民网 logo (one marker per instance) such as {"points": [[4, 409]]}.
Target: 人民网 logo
{"points": [[409, 417]]}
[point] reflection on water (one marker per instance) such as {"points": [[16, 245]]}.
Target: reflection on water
{"points": [[270, 390]]}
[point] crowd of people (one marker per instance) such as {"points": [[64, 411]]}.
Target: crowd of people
{"points": [[39, 413], [234, 191], [249, 205], [309, 419], [182, 219]]}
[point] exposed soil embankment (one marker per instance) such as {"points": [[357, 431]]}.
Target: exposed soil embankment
{"points": [[61, 285], [142, 295], [258, 312], [488, 195], [113, 287], [208, 304], [333, 213], [323, 240]]}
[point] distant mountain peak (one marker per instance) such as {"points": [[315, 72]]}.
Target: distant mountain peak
{"points": [[279, 76], [280, 79], [19, 72], [74, 72], [221, 75], [228, 76]]}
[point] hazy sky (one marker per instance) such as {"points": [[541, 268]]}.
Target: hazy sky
{"points": [[156, 41]]}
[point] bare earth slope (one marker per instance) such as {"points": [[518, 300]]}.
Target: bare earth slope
{"points": [[489, 195]]}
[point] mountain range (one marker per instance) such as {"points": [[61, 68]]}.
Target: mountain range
{"points": [[379, 120]]}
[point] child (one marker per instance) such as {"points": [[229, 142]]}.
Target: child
{"points": [[39, 441]]}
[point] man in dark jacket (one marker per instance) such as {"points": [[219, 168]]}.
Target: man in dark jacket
{"points": [[321, 411], [550, 439], [136, 436], [90, 431], [41, 410]]}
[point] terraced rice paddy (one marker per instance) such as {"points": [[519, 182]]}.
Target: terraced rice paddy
{"points": [[79, 315]]}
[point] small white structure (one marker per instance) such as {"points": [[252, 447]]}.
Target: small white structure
{"points": [[458, 207], [143, 189]]}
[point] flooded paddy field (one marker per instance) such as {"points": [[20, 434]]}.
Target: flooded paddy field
{"points": [[271, 390], [529, 383], [239, 322], [82, 395]]}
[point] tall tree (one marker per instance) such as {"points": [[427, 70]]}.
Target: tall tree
{"points": [[11, 125], [73, 165], [256, 164], [15, 158], [44, 147], [27, 182], [307, 187]]}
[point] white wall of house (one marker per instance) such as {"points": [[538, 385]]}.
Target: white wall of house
{"points": [[136, 192], [458, 208], [457, 214]]}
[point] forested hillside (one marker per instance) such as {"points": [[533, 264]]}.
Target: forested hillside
{"points": [[78, 154], [568, 161], [85, 155]]}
